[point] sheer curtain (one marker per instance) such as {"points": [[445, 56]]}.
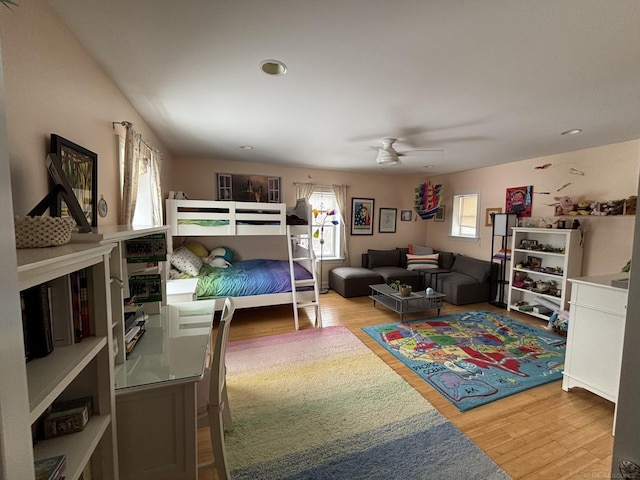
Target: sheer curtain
{"points": [[340, 193], [305, 190], [139, 157]]}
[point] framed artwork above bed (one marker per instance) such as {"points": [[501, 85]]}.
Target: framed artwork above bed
{"points": [[248, 188]]}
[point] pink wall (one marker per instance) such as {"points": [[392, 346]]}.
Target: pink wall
{"points": [[196, 177], [610, 173], [53, 85]]}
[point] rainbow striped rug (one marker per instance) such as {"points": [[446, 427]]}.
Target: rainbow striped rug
{"points": [[318, 404]]}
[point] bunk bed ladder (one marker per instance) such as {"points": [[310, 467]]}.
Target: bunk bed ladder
{"points": [[301, 235]]}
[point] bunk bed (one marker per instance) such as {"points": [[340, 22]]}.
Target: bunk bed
{"points": [[224, 224]]}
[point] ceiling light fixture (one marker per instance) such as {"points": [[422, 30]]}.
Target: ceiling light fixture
{"points": [[246, 147], [573, 131], [273, 67]]}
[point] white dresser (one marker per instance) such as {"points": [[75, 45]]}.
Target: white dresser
{"points": [[595, 335]]}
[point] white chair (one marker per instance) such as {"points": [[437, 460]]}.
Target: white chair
{"points": [[213, 404]]}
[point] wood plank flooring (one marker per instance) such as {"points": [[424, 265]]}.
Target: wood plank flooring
{"points": [[540, 433]]}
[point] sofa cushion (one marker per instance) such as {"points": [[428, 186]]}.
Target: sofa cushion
{"points": [[390, 274], [383, 258], [422, 262], [478, 269], [445, 260]]}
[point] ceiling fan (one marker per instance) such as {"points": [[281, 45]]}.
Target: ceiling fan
{"points": [[387, 155]]}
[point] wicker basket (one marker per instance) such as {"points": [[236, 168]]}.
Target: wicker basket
{"points": [[34, 232]]}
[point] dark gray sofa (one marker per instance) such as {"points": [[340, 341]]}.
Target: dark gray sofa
{"points": [[469, 279]]}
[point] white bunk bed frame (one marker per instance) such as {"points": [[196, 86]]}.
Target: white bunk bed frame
{"points": [[206, 218]]}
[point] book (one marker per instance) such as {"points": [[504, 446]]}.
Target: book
{"points": [[50, 468], [37, 317], [84, 304], [150, 248], [76, 306], [146, 288]]}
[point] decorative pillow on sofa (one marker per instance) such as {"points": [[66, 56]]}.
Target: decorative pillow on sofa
{"points": [[383, 258], [420, 250], [186, 261], [422, 262]]}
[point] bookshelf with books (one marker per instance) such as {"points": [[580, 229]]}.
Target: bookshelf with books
{"points": [[73, 367], [138, 274]]}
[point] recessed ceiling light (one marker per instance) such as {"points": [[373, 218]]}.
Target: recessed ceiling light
{"points": [[428, 166], [246, 147], [273, 67], [573, 131]]}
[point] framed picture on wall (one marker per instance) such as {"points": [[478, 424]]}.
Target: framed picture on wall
{"points": [[387, 220], [406, 215], [81, 169], [248, 188], [362, 216], [439, 216]]}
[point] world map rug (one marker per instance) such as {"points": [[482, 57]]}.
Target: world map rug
{"points": [[474, 358], [319, 404]]}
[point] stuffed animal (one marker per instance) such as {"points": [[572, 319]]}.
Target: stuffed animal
{"points": [[613, 207], [218, 262], [583, 208], [565, 205], [222, 252]]}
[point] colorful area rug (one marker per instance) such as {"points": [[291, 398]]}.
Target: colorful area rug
{"points": [[474, 358], [319, 404]]}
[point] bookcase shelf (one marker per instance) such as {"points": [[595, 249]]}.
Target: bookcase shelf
{"points": [[557, 250], [77, 369]]}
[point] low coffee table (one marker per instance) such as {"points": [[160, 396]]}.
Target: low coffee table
{"points": [[415, 302]]}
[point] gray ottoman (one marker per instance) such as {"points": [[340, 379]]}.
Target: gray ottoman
{"points": [[353, 281]]}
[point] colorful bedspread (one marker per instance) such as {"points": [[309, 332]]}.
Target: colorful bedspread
{"points": [[248, 277]]}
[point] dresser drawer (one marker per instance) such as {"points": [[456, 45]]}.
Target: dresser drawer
{"points": [[600, 298]]}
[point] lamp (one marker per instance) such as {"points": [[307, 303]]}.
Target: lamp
{"points": [[319, 234]]}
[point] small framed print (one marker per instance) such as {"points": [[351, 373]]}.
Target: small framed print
{"points": [[439, 216], [406, 215], [387, 221]]}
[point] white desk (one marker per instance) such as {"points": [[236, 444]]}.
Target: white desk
{"points": [[156, 403]]}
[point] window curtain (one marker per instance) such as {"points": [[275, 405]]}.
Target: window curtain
{"points": [[155, 163], [340, 193], [305, 190], [138, 157]]}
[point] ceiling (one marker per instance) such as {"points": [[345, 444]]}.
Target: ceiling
{"points": [[485, 81]]}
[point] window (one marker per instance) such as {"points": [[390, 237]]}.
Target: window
{"points": [[464, 220], [324, 201]]}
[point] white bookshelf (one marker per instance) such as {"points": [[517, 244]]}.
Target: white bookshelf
{"points": [[120, 272], [560, 255], [75, 369]]}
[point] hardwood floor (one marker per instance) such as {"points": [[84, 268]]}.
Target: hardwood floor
{"points": [[540, 433]]}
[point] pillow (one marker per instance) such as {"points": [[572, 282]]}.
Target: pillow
{"points": [[383, 258], [186, 261], [422, 262], [198, 249], [446, 260], [478, 269], [422, 250]]}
